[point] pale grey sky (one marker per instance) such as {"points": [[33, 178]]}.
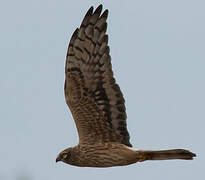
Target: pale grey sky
{"points": [[158, 56]]}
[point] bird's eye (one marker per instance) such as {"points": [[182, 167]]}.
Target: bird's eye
{"points": [[65, 156]]}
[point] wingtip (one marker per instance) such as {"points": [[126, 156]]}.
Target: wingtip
{"points": [[99, 7], [105, 14], [90, 11], [75, 33], [98, 10]]}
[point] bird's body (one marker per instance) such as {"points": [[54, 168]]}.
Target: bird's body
{"points": [[103, 155], [97, 103], [116, 154]]}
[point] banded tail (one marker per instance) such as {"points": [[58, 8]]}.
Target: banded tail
{"points": [[167, 155]]}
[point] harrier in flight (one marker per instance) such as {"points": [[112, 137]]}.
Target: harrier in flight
{"points": [[97, 104]]}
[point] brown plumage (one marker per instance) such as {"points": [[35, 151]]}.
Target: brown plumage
{"points": [[97, 104]]}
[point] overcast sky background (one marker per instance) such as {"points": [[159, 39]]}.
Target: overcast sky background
{"points": [[158, 56]]}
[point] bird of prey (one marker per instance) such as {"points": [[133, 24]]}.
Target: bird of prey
{"points": [[97, 104]]}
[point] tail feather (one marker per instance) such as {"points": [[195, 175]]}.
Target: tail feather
{"points": [[167, 154]]}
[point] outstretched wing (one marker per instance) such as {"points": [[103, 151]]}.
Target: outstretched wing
{"points": [[94, 98]]}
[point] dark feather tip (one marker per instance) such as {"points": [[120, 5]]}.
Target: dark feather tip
{"points": [[98, 9], [104, 14], [75, 33], [89, 12]]}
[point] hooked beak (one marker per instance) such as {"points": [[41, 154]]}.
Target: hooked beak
{"points": [[58, 159]]}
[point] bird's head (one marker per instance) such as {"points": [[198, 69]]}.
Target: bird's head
{"points": [[64, 156]]}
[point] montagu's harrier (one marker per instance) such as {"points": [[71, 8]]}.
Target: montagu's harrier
{"points": [[97, 104]]}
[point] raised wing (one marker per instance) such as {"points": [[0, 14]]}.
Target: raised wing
{"points": [[94, 98]]}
